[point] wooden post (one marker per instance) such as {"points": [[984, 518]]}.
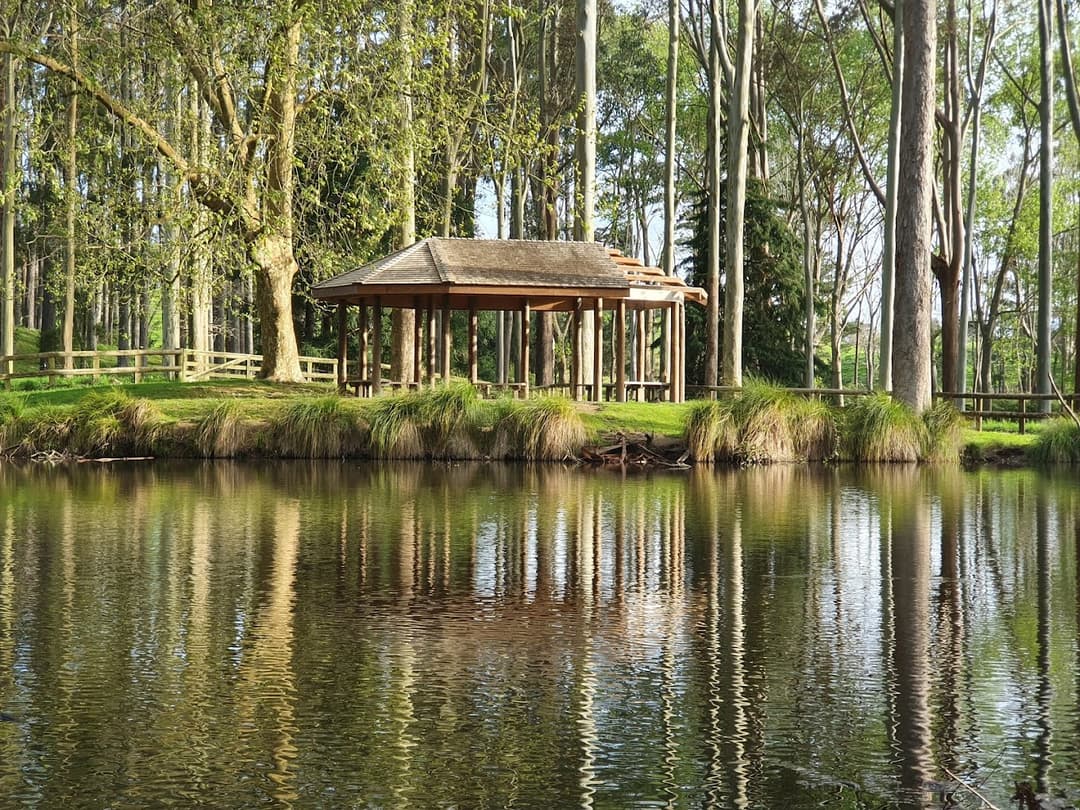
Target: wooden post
{"points": [[418, 341], [342, 346], [97, 367], [362, 363], [620, 350], [136, 375], [643, 341], [679, 351], [523, 366], [376, 347], [474, 364], [598, 351], [431, 340], [447, 338], [575, 351]]}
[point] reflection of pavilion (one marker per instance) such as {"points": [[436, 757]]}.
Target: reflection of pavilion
{"points": [[439, 276]]}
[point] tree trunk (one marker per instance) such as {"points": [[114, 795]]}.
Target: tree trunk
{"points": [[276, 268], [70, 193], [1046, 196], [911, 328], [670, 121], [585, 186], [888, 264], [7, 188], [738, 132], [712, 310]]}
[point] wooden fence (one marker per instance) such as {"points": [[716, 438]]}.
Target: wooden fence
{"points": [[185, 365]]}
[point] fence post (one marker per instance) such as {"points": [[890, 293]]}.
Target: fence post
{"points": [[1023, 412], [97, 367], [137, 365]]}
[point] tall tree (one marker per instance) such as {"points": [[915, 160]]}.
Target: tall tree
{"points": [[585, 151], [911, 328], [1046, 195]]}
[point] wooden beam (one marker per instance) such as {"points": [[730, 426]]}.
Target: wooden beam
{"points": [[474, 364], [598, 351], [643, 345], [447, 338], [362, 361], [376, 347], [342, 346], [620, 351], [523, 376]]}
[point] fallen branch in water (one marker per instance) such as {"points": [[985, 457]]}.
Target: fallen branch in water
{"points": [[986, 802]]}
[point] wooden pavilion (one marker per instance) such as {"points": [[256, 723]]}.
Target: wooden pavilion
{"points": [[443, 275]]}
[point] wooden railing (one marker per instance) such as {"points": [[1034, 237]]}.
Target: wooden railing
{"points": [[185, 365], [1026, 406]]}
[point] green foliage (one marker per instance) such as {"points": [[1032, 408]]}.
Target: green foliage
{"points": [[880, 429], [774, 294], [325, 427], [1058, 443]]}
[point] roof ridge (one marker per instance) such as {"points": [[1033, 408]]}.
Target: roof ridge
{"points": [[518, 241], [437, 258]]}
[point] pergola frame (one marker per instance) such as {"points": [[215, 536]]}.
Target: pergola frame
{"points": [[642, 291]]}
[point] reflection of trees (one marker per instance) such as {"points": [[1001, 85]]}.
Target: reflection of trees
{"points": [[910, 552], [1044, 691]]}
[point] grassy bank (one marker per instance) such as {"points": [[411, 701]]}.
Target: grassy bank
{"points": [[248, 418]]}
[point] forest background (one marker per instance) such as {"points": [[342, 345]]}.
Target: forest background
{"points": [[179, 173]]}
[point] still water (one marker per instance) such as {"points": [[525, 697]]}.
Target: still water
{"points": [[325, 635]]}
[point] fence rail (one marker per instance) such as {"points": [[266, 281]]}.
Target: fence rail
{"points": [[185, 365]]}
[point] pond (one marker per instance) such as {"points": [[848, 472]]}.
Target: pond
{"points": [[351, 635]]}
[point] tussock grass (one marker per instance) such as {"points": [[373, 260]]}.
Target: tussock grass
{"points": [[111, 422], [13, 411], [1058, 443], [395, 424], [762, 415], [539, 429], [760, 425], [944, 433], [46, 428], [223, 433], [710, 431], [880, 429], [451, 419], [814, 431], [322, 427]]}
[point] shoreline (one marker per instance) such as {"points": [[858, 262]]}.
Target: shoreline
{"points": [[251, 420]]}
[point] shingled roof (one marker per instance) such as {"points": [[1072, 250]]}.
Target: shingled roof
{"points": [[495, 262]]}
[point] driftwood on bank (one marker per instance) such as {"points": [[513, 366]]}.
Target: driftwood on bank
{"points": [[639, 450]]}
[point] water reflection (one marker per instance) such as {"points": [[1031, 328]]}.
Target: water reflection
{"points": [[410, 636]]}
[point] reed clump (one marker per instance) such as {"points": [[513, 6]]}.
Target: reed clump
{"points": [[944, 433], [320, 427], [223, 433], [395, 424], [761, 424], [114, 423], [878, 428], [1057, 443], [710, 431], [545, 428]]}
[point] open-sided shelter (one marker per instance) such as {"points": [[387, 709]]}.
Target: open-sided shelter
{"points": [[443, 275]]}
